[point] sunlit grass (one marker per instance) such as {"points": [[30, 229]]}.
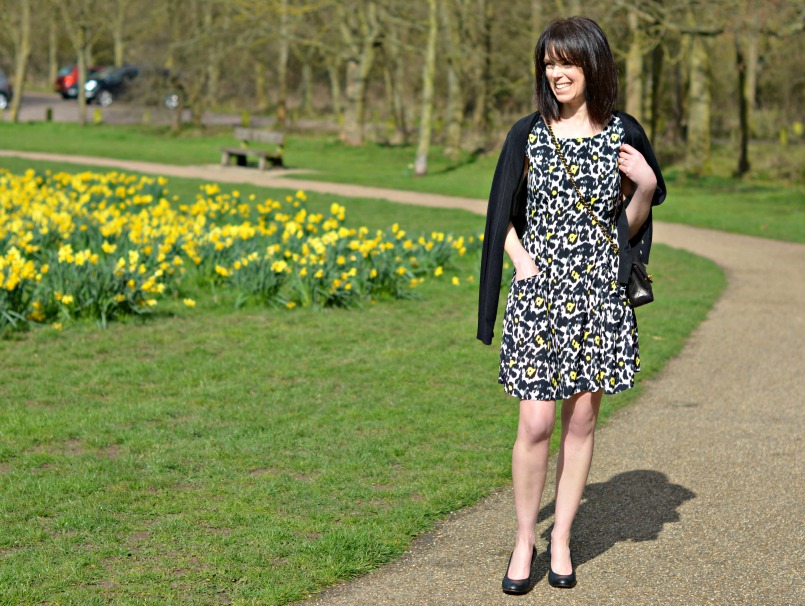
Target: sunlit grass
{"points": [[252, 454]]}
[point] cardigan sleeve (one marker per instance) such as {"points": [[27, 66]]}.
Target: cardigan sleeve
{"points": [[636, 137], [508, 174]]}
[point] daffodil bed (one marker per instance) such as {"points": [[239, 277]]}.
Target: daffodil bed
{"points": [[110, 245]]}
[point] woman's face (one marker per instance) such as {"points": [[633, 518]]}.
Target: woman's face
{"points": [[567, 81]]}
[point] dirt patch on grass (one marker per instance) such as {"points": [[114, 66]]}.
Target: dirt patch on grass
{"points": [[72, 447], [110, 452], [263, 471]]}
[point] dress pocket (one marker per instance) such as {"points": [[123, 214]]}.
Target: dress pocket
{"points": [[526, 282], [526, 301]]}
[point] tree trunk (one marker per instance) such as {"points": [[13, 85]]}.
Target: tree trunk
{"points": [[394, 77], [634, 68], [307, 82], [481, 120], [428, 76], [119, 45], [21, 61], [681, 81], [176, 32], [214, 54], [697, 150], [282, 66], [389, 87], [751, 57], [89, 52], [118, 37], [743, 109], [335, 88], [53, 48], [657, 56], [76, 28], [82, 76], [351, 131], [359, 64], [455, 98], [176, 116], [260, 97], [171, 59]]}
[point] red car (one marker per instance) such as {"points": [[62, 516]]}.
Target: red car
{"points": [[67, 80]]}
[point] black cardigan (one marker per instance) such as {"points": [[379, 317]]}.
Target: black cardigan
{"points": [[507, 203]]}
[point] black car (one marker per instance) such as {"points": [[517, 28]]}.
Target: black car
{"points": [[109, 84], [6, 92], [149, 86]]}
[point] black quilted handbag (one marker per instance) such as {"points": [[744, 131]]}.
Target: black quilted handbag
{"points": [[639, 288]]}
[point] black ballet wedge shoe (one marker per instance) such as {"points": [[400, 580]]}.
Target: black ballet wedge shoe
{"points": [[518, 586], [562, 581]]}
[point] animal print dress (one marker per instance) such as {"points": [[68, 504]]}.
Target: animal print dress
{"points": [[570, 328]]}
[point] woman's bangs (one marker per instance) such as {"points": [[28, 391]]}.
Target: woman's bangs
{"points": [[563, 51]]}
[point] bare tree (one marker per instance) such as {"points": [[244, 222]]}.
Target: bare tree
{"points": [[428, 76], [334, 76], [743, 109], [120, 16], [360, 30], [634, 66], [305, 55], [80, 22], [394, 55], [283, 55], [750, 23], [481, 119], [53, 46], [191, 24], [19, 28], [698, 144], [454, 111]]}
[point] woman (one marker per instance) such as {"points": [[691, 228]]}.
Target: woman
{"points": [[569, 332]]}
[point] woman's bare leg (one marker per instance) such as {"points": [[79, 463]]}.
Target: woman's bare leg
{"points": [[579, 415], [529, 467]]}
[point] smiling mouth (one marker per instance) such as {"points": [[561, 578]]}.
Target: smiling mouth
{"points": [[562, 86]]}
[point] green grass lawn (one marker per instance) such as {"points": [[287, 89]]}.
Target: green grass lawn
{"points": [[254, 456], [759, 206]]}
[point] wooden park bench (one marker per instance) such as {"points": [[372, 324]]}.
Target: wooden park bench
{"points": [[241, 153]]}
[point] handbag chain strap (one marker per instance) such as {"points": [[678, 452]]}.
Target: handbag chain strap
{"points": [[587, 207]]}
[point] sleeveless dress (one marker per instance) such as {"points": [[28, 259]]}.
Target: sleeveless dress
{"points": [[570, 328]]}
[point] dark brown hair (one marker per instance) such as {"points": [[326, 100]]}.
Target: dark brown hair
{"points": [[581, 42]]}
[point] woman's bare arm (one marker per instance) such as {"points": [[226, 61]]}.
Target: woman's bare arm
{"points": [[524, 265], [640, 179]]}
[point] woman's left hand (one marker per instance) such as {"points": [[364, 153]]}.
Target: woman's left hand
{"points": [[635, 168]]}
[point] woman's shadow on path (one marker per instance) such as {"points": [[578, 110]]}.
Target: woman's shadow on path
{"points": [[631, 506]]}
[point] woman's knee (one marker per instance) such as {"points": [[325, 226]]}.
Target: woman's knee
{"points": [[536, 421], [581, 420]]}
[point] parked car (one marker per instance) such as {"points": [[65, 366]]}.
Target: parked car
{"points": [[66, 82], [108, 84], [148, 86], [6, 92]]}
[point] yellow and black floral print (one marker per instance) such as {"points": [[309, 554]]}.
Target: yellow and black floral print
{"points": [[570, 328]]}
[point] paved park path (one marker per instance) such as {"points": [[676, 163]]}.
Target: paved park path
{"points": [[696, 495]]}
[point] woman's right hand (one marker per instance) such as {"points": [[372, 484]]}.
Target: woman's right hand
{"points": [[525, 269], [524, 266]]}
